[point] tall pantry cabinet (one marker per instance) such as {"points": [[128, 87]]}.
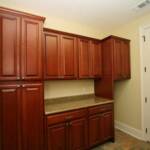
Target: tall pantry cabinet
{"points": [[21, 87]]}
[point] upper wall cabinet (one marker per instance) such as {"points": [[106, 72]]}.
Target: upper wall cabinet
{"points": [[9, 47], [96, 59], [121, 59], [68, 56], [90, 62], [31, 55], [117, 50], [60, 56], [20, 46], [84, 58]]}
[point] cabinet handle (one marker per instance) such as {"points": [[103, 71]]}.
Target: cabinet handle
{"points": [[23, 77], [70, 124], [18, 86], [18, 78], [67, 124]]}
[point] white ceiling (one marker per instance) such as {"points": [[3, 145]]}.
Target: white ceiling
{"points": [[102, 14]]}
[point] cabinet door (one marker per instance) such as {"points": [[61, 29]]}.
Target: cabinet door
{"points": [[32, 116], [68, 57], [125, 56], [9, 117], [107, 125], [96, 60], [117, 59], [52, 55], [84, 58], [9, 47], [57, 137], [31, 49], [78, 134], [94, 130]]}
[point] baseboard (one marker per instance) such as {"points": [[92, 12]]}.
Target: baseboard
{"points": [[129, 130]]}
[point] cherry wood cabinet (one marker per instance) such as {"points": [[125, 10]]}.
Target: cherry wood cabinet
{"points": [[67, 131], [9, 47], [78, 134], [90, 59], [101, 125], [84, 58], [31, 56], [80, 129], [60, 55], [52, 55], [32, 112], [57, 137], [115, 65], [96, 59], [20, 46], [9, 117], [21, 116], [68, 56], [121, 59], [119, 63]]}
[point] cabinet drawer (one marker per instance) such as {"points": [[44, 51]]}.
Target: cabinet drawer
{"points": [[100, 108], [66, 116]]}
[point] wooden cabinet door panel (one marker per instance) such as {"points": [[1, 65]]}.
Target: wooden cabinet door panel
{"points": [[68, 56], [125, 56], [96, 68], [57, 137], [84, 58], [117, 59], [107, 125], [31, 49], [94, 130], [9, 117], [52, 55], [78, 134], [32, 116], [9, 47]]}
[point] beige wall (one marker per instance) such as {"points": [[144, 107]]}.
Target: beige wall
{"points": [[127, 93], [68, 87]]}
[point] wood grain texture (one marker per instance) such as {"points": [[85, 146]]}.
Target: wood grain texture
{"points": [[9, 47], [57, 137], [69, 56], [84, 58], [32, 116], [51, 55], [31, 56], [10, 117]]}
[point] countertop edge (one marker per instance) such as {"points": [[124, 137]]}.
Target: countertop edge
{"points": [[75, 108]]}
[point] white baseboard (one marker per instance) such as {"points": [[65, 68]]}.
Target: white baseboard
{"points": [[129, 130]]}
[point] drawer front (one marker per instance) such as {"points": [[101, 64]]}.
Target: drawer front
{"points": [[66, 116], [100, 109]]}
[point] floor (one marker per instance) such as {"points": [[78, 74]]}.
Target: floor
{"points": [[124, 142]]}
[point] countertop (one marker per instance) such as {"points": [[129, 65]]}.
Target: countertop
{"points": [[56, 105]]}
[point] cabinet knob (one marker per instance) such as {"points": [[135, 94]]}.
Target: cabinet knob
{"points": [[67, 124], [18, 78]]}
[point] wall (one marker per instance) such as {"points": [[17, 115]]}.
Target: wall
{"points": [[68, 87], [127, 93]]}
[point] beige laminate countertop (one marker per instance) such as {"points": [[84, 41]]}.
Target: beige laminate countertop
{"points": [[57, 105]]}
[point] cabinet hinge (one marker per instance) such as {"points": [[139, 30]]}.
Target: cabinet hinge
{"points": [[145, 99], [146, 130], [144, 38]]}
